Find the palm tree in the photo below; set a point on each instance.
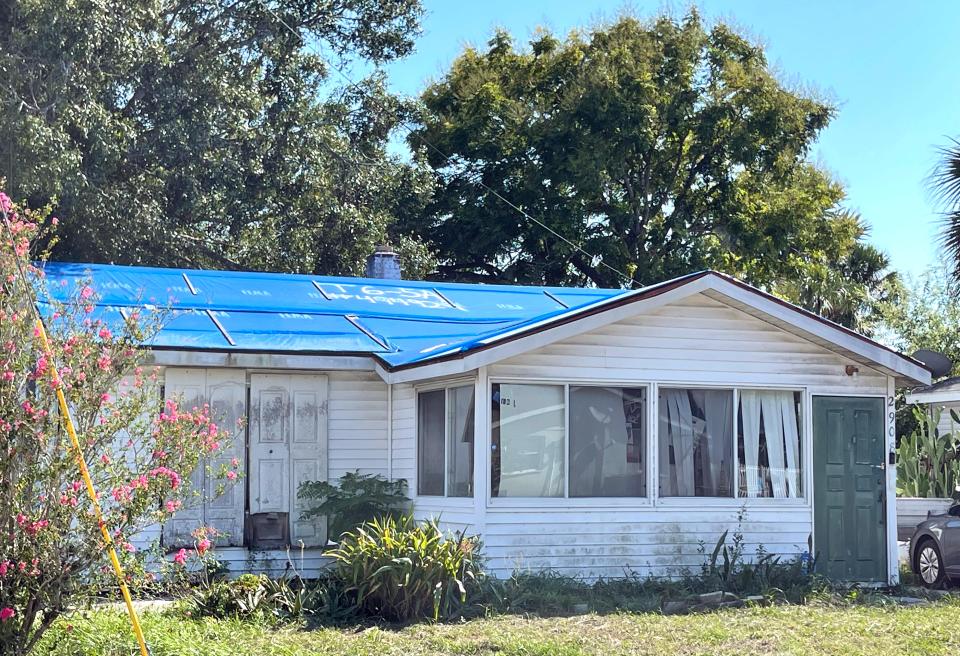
(945, 182)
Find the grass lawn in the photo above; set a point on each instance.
(812, 629)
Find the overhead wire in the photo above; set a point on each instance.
(446, 158)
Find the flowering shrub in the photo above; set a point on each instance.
(51, 547)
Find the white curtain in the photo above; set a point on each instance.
(750, 425)
(676, 424)
(777, 412)
(791, 438)
(773, 430)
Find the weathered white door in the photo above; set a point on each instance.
(288, 445)
(220, 504)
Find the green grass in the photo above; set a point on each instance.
(812, 629)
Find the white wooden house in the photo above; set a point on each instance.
(591, 432)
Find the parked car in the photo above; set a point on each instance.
(935, 548)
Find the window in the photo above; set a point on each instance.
(604, 443)
(528, 440)
(445, 442)
(696, 442)
(768, 444)
(608, 442)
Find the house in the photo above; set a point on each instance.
(587, 431)
(942, 396)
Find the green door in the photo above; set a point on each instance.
(849, 531)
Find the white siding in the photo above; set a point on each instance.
(357, 423)
(947, 425)
(699, 340)
(695, 341)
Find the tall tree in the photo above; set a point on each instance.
(946, 185)
(206, 133)
(659, 147)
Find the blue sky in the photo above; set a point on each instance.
(890, 67)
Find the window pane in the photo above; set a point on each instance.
(460, 430)
(607, 442)
(696, 442)
(768, 441)
(528, 441)
(430, 458)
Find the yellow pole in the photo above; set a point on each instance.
(67, 420)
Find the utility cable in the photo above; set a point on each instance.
(446, 158)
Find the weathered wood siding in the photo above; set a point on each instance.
(699, 340)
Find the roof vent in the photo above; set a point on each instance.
(384, 263)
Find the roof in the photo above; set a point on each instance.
(945, 390)
(405, 324)
(400, 322)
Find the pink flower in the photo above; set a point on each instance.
(172, 506)
(6, 613)
(4, 566)
(203, 545)
(86, 292)
(129, 547)
(232, 475)
(181, 557)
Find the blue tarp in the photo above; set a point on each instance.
(399, 321)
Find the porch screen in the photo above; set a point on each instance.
(528, 441)
(696, 442)
(769, 444)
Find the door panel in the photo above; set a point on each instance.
(222, 503)
(849, 488)
(288, 446)
(269, 444)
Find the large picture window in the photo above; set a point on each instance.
(445, 442)
(768, 444)
(696, 442)
(535, 453)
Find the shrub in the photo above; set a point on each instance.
(51, 551)
(767, 574)
(398, 569)
(356, 499)
(252, 596)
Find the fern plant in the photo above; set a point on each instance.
(355, 499)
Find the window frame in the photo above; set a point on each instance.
(653, 499)
(737, 501)
(566, 502)
(444, 386)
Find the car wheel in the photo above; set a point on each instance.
(929, 565)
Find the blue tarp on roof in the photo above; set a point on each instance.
(399, 321)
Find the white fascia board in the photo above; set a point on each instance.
(893, 362)
(939, 396)
(172, 358)
(595, 317)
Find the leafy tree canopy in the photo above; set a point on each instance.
(660, 147)
(206, 133)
